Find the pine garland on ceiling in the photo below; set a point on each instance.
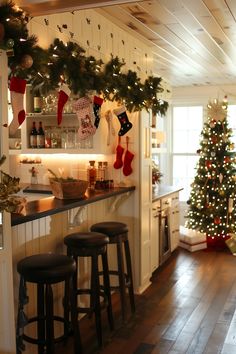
(67, 62)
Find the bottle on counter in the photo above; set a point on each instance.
(105, 169)
(40, 137)
(33, 136)
(38, 103)
(92, 174)
(100, 172)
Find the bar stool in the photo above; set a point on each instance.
(93, 245)
(45, 270)
(118, 235)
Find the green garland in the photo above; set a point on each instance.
(68, 63)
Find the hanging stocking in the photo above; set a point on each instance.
(97, 102)
(84, 111)
(111, 130)
(127, 169)
(123, 119)
(119, 153)
(17, 88)
(63, 96)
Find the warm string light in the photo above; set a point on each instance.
(213, 184)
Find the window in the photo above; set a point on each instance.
(187, 125)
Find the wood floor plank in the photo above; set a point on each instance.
(207, 326)
(190, 308)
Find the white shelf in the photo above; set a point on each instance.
(57, 151)
(159, 150)
(97, 141)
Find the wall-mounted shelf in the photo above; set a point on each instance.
(95, 144)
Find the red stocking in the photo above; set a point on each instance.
(63, 96)
(119, 152)
(17, 88)
(127, 169)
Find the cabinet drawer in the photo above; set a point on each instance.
(165, 202)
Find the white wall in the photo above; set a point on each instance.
(202, 94)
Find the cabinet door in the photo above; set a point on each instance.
(155, 233)
(174, 222)
(145, 199)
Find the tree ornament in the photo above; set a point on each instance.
(212, 123)
(227, 159)
(17, 89)
(208, 164)
(225, 138)
(213, 154)
(217, 220)
(27, 61)
(217, 110)
(220, 177)
(123, 119)
(230, 205)
(221, 192)
(10, 43)
(214, 139)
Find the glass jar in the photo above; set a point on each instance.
(56, 137)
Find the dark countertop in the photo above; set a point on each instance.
(163, 191)
(50, 205)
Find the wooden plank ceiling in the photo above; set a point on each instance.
(193, 41)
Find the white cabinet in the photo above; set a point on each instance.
(155, 230)
(145, 202)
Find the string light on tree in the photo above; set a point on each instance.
(212, 198)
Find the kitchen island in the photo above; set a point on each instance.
(45, 222)
(49, 205)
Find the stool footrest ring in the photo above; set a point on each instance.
(36, 340)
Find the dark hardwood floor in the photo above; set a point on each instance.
(189, 308)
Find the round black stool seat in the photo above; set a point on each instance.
(86, 239)
(110, 228)
(46, 270)
(118, 235)
(92, 245)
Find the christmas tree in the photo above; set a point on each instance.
(212, 197)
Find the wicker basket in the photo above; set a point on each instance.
(68, 190)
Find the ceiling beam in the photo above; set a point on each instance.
(42, 7)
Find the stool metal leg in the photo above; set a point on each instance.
(130, 277)
(121, 272)
(41, 318)
(49, 320)
(107, 289)
(96, 298)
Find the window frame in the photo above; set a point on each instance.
(171, 143)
